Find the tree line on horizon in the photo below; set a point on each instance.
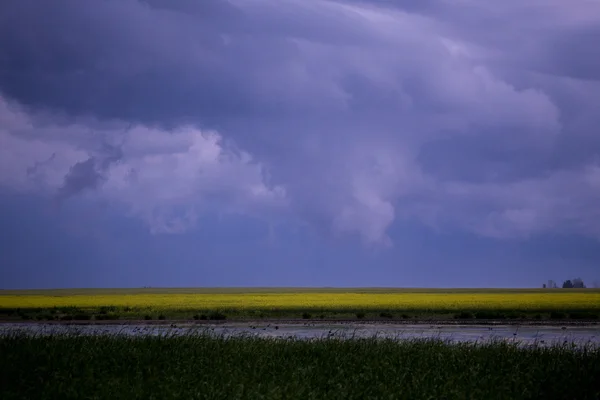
(576, 283)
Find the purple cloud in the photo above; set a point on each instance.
(346, 116)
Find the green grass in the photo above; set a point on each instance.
(204, 367)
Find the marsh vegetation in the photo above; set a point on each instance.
(202, 366)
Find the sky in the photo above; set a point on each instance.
(423, 143)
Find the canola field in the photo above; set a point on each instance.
(296, 302)
(402, 300)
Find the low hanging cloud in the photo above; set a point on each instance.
(88, 174)
(352, 116)
(150, 174)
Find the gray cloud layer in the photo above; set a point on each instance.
(348, 116)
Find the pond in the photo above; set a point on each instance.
(541, 335)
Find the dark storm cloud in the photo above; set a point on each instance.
(156, 62)
(89, 174)
(357, 113)
(81, 176)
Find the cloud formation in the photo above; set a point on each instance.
(167, 178)
(352, 116)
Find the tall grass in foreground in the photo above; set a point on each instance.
(207, 367)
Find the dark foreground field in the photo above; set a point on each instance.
(204, 367)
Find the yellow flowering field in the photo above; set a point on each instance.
(418, 300)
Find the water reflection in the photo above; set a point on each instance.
(527, 335)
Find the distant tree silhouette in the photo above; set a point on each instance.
(567, 284)
(578, 283)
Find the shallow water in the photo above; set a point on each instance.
(541, 335)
